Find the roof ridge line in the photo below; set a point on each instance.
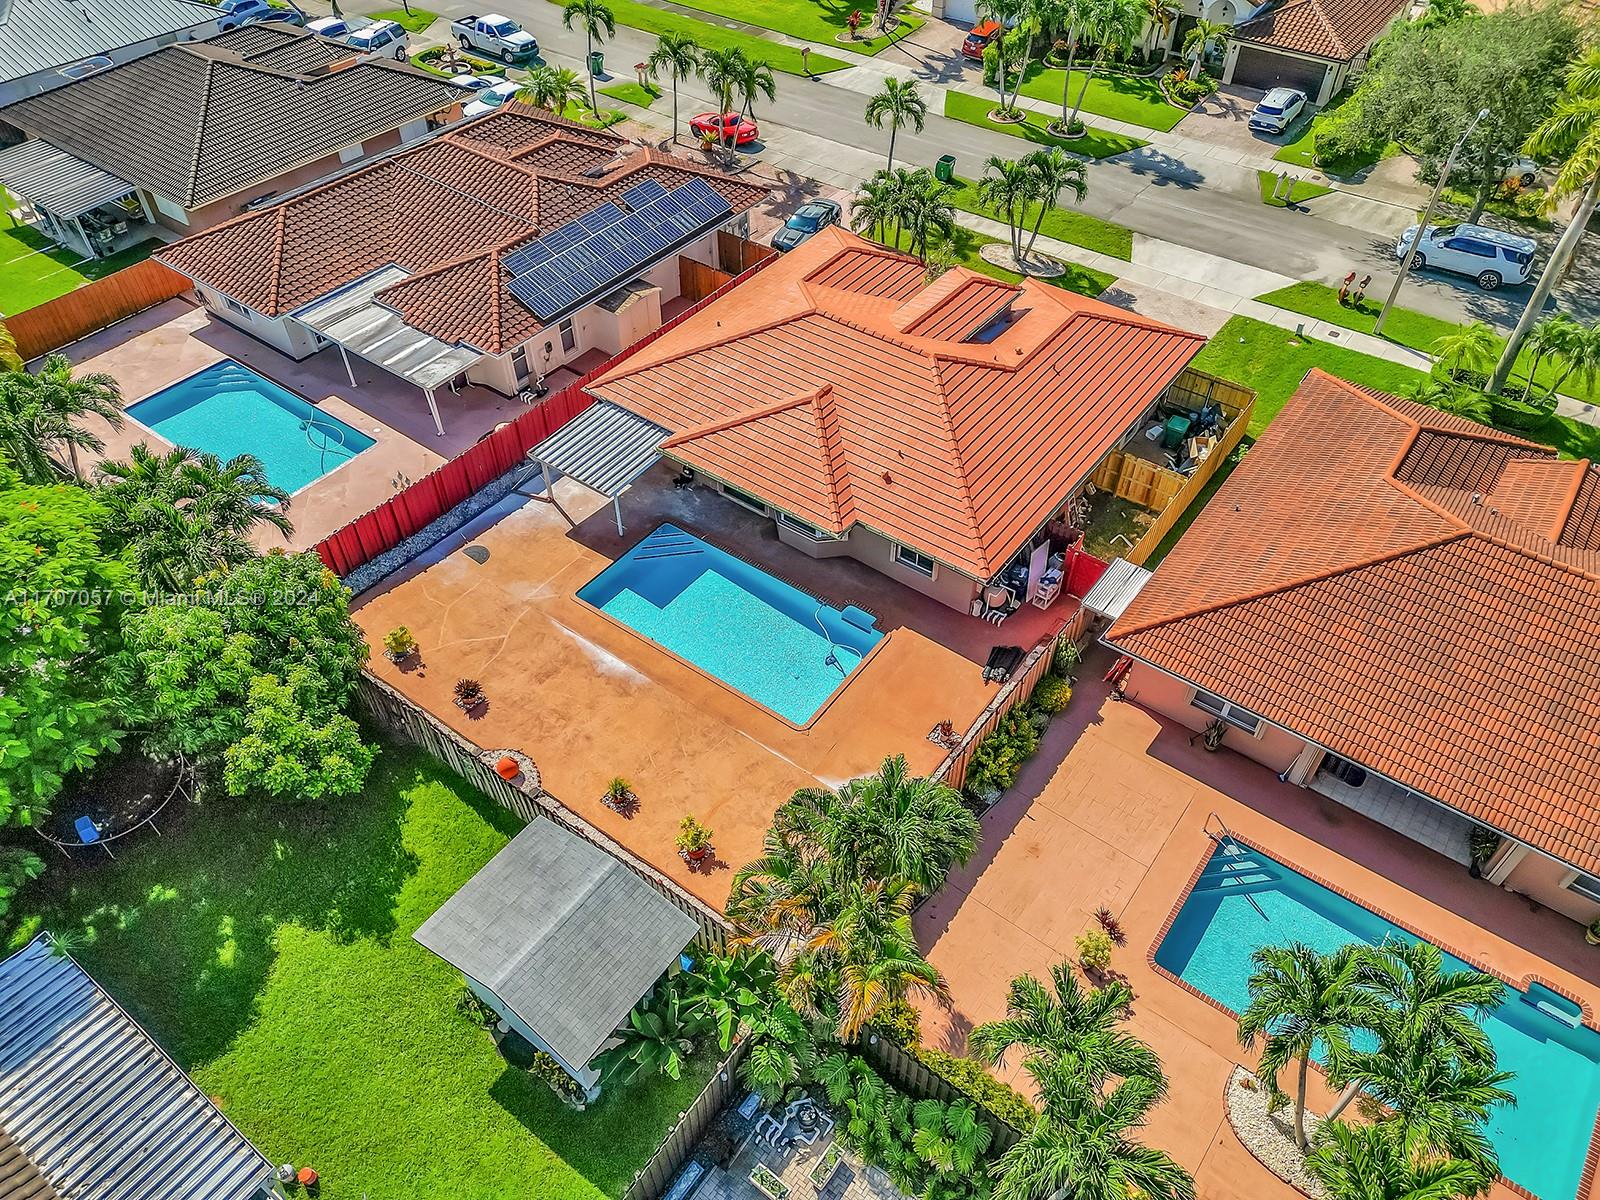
(958, 460)
(770, 409)
(823, 409)
(192, 184)
(1578, 477)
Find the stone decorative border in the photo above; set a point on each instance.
(529, 781)
(1260, 1132)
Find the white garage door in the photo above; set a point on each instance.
(1264, 69)
(962, 12)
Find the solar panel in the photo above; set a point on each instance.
(650, 189)
(606, 214)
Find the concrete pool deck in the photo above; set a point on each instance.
(1118, 792)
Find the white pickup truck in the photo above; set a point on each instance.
(494, 35)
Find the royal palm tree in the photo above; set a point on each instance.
(1303, 1001)
(1054, 171)
(898, 103)
(1006, 189)
(41, 415)
(1072, 18)
(723, 70)
(554, 88)
(599, 23)
(1066, 1031)
(679, 56)
(1115, 23)
(1009, 13)
(929, 216)
(1203, 37)
(1470, 348)
(1368, 1162)
(875, 207)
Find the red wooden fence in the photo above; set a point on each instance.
(436, 493)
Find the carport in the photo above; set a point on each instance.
(65, 194)
(605, 448)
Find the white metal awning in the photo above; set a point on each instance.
(1115, 590)
(605, 448)
(59, 183)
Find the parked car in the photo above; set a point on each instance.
(490, 98)
(251, 12)
(1488, 255)
(734, 127)
(978, 39)
(495, 35)
(336, 28)
(476, 83)
(1277, 110)
(1524, 170)
(807, 219)
(381, 39)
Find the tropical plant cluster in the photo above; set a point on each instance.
(905, 208)
(1459, 378)
(997, 760)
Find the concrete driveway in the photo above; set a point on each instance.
(1222, 122)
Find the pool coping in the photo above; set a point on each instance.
(822, 709)
(128, 416)
(1591, 1161)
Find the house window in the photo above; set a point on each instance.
(569, 339)
(914, 559)
(234, 306)
(804, 529)
(1586, 886)
(753, 503)
(1232, 714)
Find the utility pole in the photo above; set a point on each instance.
(1427, 217)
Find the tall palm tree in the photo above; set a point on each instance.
(1079, 1149)
(679, 56)
(875, 207)
(1073, 18)
(1066, 1031)
(1470, 348)
(1006, 189)
(755, 79)
(1054, 171)
(184, 513)
(598, 22)
(554, 88)
(10, 360)
(930, 218)
(1368, 1162)
(1570, 133)
(1203, 37)
(41, 415)
(898, 103)
(722, 71)
(1554, 337)
(1581, 357)
(1009, 13)
(1159, 16)
(1302, 1001)
(1115, 23)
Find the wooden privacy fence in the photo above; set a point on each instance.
(403, 721)
(62, 321)
(406, 512)
(696, 281)
(914, 1077)
(692, 1124)
(740, 254)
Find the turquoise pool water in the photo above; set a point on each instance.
(773, 642)
(1542, 1140)
(228, 410)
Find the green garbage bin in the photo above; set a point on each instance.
(945, 169)
(1177, 428)
(597, 62)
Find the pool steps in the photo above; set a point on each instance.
(1228, 871)
(667, 544)
(1553, 1004)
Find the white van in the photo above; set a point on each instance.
(1487, 255)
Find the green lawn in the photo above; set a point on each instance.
(707, 36)
(34, 269)
(1405, 327)
(604, 119)
(1096, 143)
(269, 950)
(416, 20)
(1300, 190)
(632, 93)
(808, 20)
(1064, 225)
(1120, 97)
(428, 61)
(967, 243)
(1302, 151)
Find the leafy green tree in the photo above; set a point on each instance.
(42, 414)
(679, 56)
(18, 867)
(10, 360)
(295, 746)
(188, 676)
(654, 1040)
(896, 104)
(598, 23)
(1368, 1162)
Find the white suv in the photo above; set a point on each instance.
(1488, 255)
(387, 39)
(1277, 110)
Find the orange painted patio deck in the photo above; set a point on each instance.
(588, 699)
(1121, 796)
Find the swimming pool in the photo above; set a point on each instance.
(1542, 1141)
(228, 410)
(779, 646)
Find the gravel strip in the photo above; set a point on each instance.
(1270, 1136)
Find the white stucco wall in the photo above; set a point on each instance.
(283, 334)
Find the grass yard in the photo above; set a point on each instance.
(707, 36)
(632, 93)
(604, 119)
(416, 20)
(1066, 225)
(1302, 151)
(1120, 97)
(966, 244)
(1096, 143)
(34, 269)
(1405, 327)
(808, 20)
(1300, 190)
(269, 950)
(428, 60)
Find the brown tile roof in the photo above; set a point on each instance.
(1333, 29)
(1407, 589)
(446, 210)
(837, 384)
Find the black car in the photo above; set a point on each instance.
(808, 218)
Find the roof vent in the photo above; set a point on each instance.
(1477, 497)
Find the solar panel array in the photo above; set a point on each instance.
(585, 258)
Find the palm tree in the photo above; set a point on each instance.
(1581, 357)
(10, 360)
(679, 56)
(1368, 1162)
(1072, 18)
(1470, 348)
(1079, 1148)
(1302, 1000)
(184, 513)
(929, 218)
(723, 71)
(1054, 171)
(40, 415)
(554, 88)
(1114, 25)
(1008, 13)
(1570, 133)
(1555, 336)
(780, 901)
(899, 103)
(1203, 36)
(1448, 397)
(1159, 16)
(1066, 1031)
(1006, 189)
(599, 23)
(875, 207)
(755, 79)
(1424, 1004)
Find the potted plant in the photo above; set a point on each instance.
(507, 768)
(619, 795)
(468, 694)
(398, 644)
(1592, 933)
(693, 840)
(1094, 951)
(945, 732)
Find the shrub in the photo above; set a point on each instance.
(1482, 842)
(469, 1005)
(1112, 926)
(999, 757)
(1052, 694)
(900, 1022)
(693, 837)
(618, 790)
(547, 1069)
(468, 691)
(970, 1078)
(1067, 657)
(1520, 415)
(1340, 140)
(1094, 950)
(399, 642)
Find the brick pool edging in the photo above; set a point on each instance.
(1591, 1162)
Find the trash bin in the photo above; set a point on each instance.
(945, 169)
(597, 62)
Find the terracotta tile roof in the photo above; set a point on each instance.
(837, 385)
(446, 210)
(1413, 591)
(1334, 29)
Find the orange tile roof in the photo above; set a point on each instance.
(1334, 29)
(836, 384)
(445, 210)
(1409, 590)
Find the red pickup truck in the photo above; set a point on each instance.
(980, 36)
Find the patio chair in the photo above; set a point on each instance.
(768, 1130)
(89, 833)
